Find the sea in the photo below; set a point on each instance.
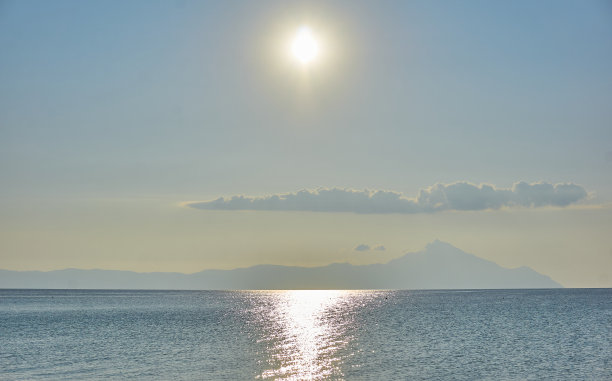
(548, 334)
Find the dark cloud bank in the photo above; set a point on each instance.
(440, 197)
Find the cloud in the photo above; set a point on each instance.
(362, 247)
(466, 196)
(380, 248)
(439, 197)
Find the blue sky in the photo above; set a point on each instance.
(176, 101)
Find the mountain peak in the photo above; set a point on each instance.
(439, 246)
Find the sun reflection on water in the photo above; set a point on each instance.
(306, 332)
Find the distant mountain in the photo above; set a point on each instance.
(439, 266)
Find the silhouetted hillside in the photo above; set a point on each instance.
(439, 266)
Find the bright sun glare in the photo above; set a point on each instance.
(304, 47)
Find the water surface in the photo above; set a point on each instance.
(217, 335)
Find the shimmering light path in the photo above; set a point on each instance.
(306, 333)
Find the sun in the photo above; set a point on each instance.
(305, 47)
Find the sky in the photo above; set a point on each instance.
(183, 136)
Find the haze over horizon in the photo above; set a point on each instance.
(183, 136)
(438, 266)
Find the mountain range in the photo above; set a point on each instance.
(439, 266)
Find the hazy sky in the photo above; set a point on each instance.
(114, 115)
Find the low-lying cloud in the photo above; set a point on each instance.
(365, 247)
(439, 197)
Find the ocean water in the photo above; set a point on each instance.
(371, 335)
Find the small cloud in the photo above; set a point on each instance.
(380, 248)
(439, 197)
(362, 247)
